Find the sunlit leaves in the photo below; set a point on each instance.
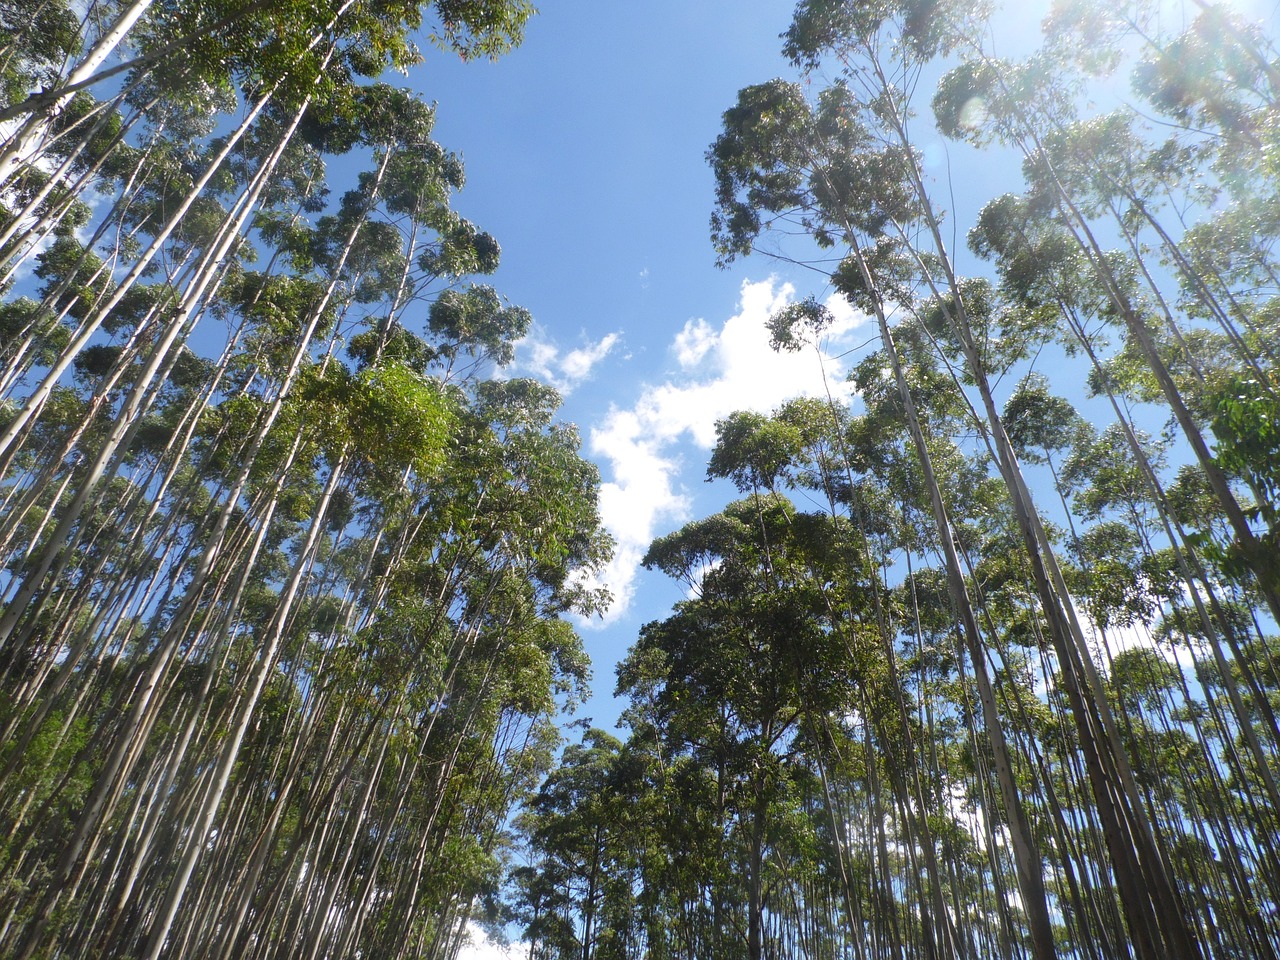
(1246, 422)
(476, 322)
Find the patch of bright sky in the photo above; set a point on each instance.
(585, 152)
(643, 447)
(479, 946)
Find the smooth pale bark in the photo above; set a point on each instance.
(139, 547)
(20, 363)
(266, 664)
(34, 403)
(838, 833)
(1029, 862)
(131, 737)
(1101, 752)
(27, 228)
(212, 548)
(24, 143)
(1197, 578)
(141, 395)
(1253, 553)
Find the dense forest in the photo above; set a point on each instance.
(982, 662)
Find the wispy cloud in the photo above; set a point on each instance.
(538, 356)
(721, 369)
(576, 364)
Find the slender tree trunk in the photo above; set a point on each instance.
(24, 142)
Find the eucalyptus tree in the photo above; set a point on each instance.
(579, 891)
(776, 155)
(731, 676)
(853, 710)
(242, 41)
(1040, 269)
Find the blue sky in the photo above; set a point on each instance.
(585, 151)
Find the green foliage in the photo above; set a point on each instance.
(394, 415)
(481, 27)
(1246, 422)
(476, 322)
(1179, 179)
(273, 542)
(1040, 424)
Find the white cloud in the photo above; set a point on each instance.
(577, 364)
(478, 946)
(537, 356)
(693, 342)
(721, 370)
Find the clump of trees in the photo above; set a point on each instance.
(967, 673)
(284, 571)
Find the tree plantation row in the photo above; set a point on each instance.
(981, 663)
(284, 571)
